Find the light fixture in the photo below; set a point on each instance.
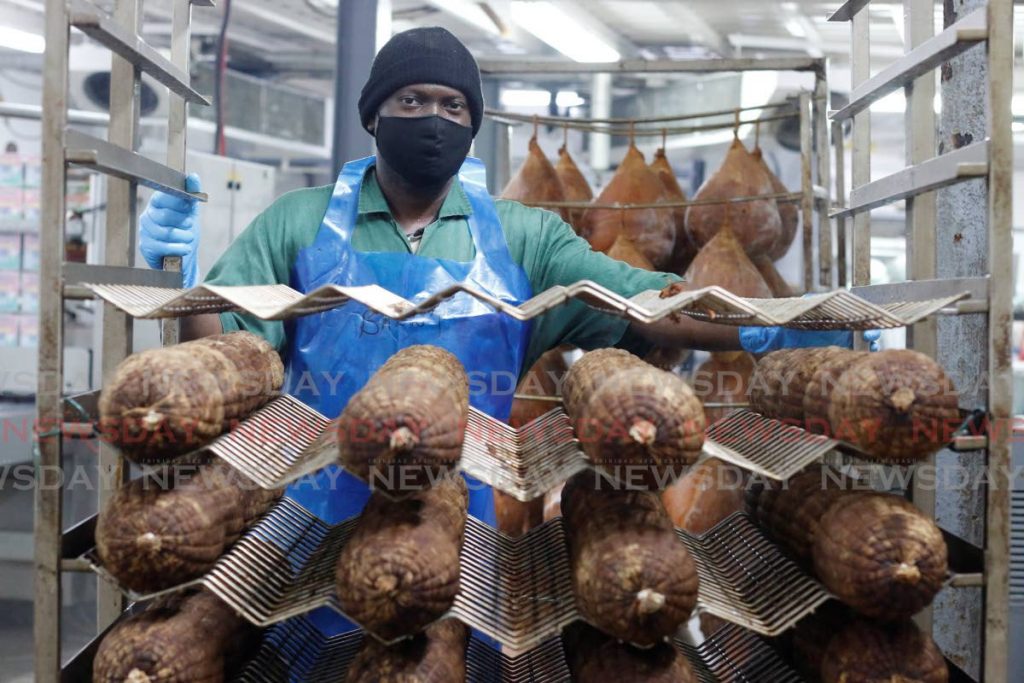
(556, 28)
(796, 28)
(568, 98)
(1017, 127)
(525, 98)
(470, 12)
(1017, 105)
(16, 39)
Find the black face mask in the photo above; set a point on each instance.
(426, 150)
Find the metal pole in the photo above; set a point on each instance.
(48, 492)
(486, 144)
(963, 238)
(177, 130)
(1000, 390)
(119, 249)
(807, 189)
(824, 172)
(860, 170)
(840, 189)
(919, 25)
(354, 51)
(600, 108)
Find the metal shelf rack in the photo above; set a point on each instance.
(55, 550)
(990, 159)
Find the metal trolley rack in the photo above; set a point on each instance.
(990, 159)
(55, 549)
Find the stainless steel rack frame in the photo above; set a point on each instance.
(990, 24)
(55, 552)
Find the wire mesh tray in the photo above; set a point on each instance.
(516, 590)
(296, 650)
(834, 310)
(286, 440)
(745, 579)
(778, 450)
(736, 655)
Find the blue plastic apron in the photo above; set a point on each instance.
(332, 354)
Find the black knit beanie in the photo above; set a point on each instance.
(422, 55)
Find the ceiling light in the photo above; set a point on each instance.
(470, 12)
(791, 7)
(568, 98)
(525, 98)
(16, 39)
(556, 28)
(795, 28)
(1017, 105)
(1017, 127)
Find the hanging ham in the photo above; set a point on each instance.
(536, 180)
(574, 186)
(789, 215)
(651, 230)
(770, 273)
(722, 262)
(683, 251)
(757, 223)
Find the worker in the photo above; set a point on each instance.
(414, 219)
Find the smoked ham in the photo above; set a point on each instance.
(651, 230)
(536, 180)
(574, 187)
(757, 223)
(789, 215)
(683, 251)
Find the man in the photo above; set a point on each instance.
(410, 221)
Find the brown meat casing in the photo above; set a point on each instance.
(632, 577)
(574, 186)
(184, 638)
(812, 635)
(790, 512)
(789, 215)
(704, 496)
(400, 570)
(164, 402)
(782, 378)
(405, 428)
(723, 263)
(723, 378)
(683, 251)
(438, 655)
(644, 426)
(536, 180)
(756, 223)
(880, 555)
(897, 405)
(651, 230)
(869, 652)
(596, 658)
(821, 386)
(151, 536)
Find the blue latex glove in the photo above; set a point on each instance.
(766, 339)
(170, 227)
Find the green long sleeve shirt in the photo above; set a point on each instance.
(538, 240)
